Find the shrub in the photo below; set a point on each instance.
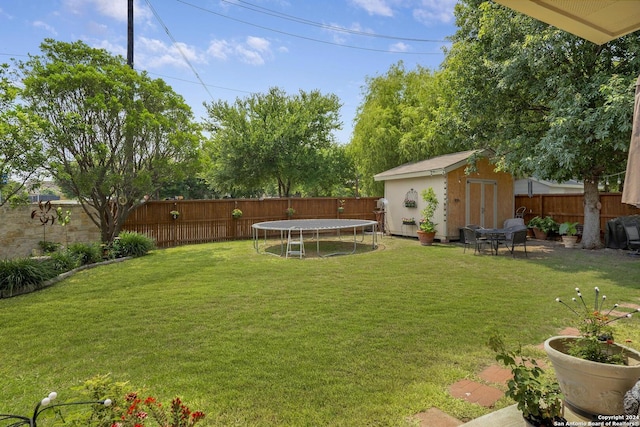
(61, 262)
(48, 247)
(86, 253)
(23, 275)
(130, 243)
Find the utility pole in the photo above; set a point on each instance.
(130, 33)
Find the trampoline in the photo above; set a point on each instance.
(314, 227)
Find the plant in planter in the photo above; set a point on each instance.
(542, 226)
(427, 228)
(174, 214)
(341, 206)
(290, 211)
(594, 372)
(537, 395)
(236, 213)
(410, 203)
(568, 231)
(409, 221)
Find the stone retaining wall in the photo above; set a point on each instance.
(19, 234)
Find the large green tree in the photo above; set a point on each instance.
(549, 103)
(400, 121)
(21, 155)
(273, 140)
(113, 135)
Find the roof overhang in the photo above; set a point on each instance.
(598, 21)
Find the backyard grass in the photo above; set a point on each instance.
(257, 340)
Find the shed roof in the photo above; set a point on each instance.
(434, 166)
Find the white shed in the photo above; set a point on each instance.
(484, 197)
(539, 186)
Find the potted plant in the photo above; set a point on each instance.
(594, 372)
(290, 211)
(427, 228)
(568, 231)
(174, 214)
(542, 226)
(410, 203)
(340, 206)
(408, 221)
(236, 213)
(537, 395)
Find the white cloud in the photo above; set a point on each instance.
(254, 50)
(220, 49)
(112, 48)
(435, 11)
(110, 8)
(374, 7)
(399, 47)
(153, 53)
(45, 26)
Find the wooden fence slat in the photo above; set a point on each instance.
(203, 221)
(569, 207)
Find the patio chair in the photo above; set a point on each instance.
(520, 212)
(517, 237)
(633, 238)
(472, 238)
(513, 222)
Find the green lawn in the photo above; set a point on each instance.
(257, 340)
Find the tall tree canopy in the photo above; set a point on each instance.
(273, 140)
(20, 147)
(549, 103)
(399, 121)
(112, 135)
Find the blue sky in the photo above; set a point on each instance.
(224, 49)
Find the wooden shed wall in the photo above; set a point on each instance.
(456, 195)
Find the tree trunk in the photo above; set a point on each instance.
(591, 233)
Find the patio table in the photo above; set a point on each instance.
(494, 236)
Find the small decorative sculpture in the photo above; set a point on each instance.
(632, 400)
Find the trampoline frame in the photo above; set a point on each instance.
(314, 226)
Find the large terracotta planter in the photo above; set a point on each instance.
(426, 237)
(539, 234)
(592, 388)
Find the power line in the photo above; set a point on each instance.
(198, 83)
(175, 43)
(271, 12)
(305, 37)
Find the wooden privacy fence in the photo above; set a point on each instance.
(201, 221)
(569, 207)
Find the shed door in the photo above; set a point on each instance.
(482, 203)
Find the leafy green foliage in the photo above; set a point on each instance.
(400, 121)
(546, 224)
(21, 153)
(48, 247)
(132, 244)
(538, 397)
(86, 253)
(274, 140)
(426, 222)
(63, 261)
(116, 135)
(550, 104)
(22, 275)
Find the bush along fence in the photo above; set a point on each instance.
(182, 222)
(569, 207)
